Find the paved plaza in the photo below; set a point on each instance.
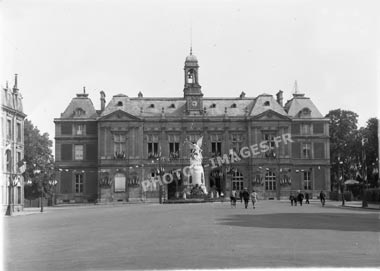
(192, 236)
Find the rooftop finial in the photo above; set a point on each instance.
(191, 38)
(295, 87)
(84, 90)
(6, 84)
(15, 86)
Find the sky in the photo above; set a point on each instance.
(56, 47)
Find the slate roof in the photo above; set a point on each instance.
(80, 102)
(299, 102)
(12, 100)
(150, 107)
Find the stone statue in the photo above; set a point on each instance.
(196, 169)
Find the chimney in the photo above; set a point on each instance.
(15, 89)
(140, 95)
(102, 100)
(242, 95)
(280, 99)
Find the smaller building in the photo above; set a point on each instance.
(12, 148)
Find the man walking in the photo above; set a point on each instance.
(322, 197)
(254, 198)
(245, 195)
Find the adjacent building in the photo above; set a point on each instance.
(257, 142)
(12, 148)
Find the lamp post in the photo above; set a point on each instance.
(342, 182)
(52, 184)
(13, 181)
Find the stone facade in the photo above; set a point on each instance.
(12, 148)
(132, 140)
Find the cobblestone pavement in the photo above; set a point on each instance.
(192, 236)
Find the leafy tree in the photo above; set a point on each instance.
(345, 148)
(39, 161)
(371, 147)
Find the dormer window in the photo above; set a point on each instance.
(213, 106)
(233, 105)
(172, 106)
(79, 112)
(119, 103)
(151, 106)
(305, 112)
(267, 103)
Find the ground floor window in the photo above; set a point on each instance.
(78, 183)
(270, 181)
(307, 185)
(120, 182)
(237, 181)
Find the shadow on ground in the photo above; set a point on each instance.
(319, 221)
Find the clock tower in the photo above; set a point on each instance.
(192, 90)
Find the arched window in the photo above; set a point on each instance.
(190, 76)
(237, 180)
(270, 181)
(9, 161)
(120, 182)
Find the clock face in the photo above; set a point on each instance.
(194, 103)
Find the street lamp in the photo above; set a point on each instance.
(13, 182)
(342, 182)
(53, 184)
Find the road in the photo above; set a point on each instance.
(192, 236)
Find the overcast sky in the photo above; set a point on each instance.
(330, 47)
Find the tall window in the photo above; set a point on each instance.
(270, 181)
(19, 132)
(9, 161)
(173, 146)
(306, 129)
(269, 138)
(306, 150)
(9, 129)
(119, 143)
(307, 185)
(237, 181)
(120, 182)
(78, 183)
(78, 152)
(153, 146)
(79, 129)
(216, 145)
(237, 141)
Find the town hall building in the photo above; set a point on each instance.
(109, 154)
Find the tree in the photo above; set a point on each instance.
(39, 161)
(345, 144)
(371, 148)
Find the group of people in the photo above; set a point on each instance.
(300, 197)
(244, 195)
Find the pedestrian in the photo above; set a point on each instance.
(254, 198)
(300, 197)
(307, 198)
(241, 196)
(322, 197)
(292, 199)
(233, 198)
(245, 196)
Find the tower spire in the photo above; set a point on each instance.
(15, 85)
(295, 87)
(191, 39)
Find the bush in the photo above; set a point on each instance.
(372, 195)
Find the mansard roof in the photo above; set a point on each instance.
(80, 107)
(232, 107)
(12, 100)
(298, 103)
(265, 102)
